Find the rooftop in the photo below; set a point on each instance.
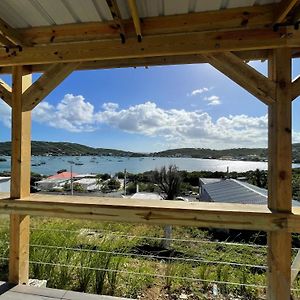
(34, 13)
(235, 191)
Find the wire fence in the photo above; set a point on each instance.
(48, 258)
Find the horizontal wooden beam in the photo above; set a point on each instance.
(244, 75)
(253, 17)
(43, 86)
(147, 61)
(152, 46)
(5, 92)
(283, 9)
(214, 215)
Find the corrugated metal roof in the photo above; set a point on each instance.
(235, 191)
(32, 13)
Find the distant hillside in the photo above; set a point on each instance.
(209, 153)
(64, 148)
(236, 153)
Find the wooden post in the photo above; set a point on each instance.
(20, 179)
(280, 174)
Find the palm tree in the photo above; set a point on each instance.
(169, 181)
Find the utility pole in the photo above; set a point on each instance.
(124, 182)
(71, 180)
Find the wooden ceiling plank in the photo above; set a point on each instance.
(136, 19)
(51, 78)
(5, 92)
(260, 16)
(116, 14)
(12, 34)
(244, 75)
(283, 9)
(152, 46)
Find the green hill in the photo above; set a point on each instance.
(65, 148)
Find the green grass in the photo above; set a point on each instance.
(77, 260)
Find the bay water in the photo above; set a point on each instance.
(48, 165)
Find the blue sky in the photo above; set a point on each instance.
(152, 109)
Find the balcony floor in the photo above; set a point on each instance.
(22, 292)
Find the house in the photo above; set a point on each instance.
(146, 196)
(233, 191)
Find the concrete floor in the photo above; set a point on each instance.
(22, 292)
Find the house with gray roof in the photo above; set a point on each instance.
(233, 191)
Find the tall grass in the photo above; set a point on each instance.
(88, 262)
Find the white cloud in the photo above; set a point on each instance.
(198, 91)
(110, 106)
(213, 100)
(188, 128)
(72, 113)
(176, 127)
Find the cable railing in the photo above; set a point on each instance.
(220, 274)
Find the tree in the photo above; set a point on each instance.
(169, 181)
(258, 178)
(110, 185)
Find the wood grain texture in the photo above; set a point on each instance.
(283, 9)
(244, 75)
(253, 17)
(295, 88)
(152, 46)
(20, 179)
(48, 81)
(147, 61)
(5, 92)
(280, 174)
(215, 215)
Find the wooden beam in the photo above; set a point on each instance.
(164, 45)
(280, 174)
(136, 19)
(146, 61)
(12, 34)
(6, 42)
(20, 179)
(283, 9)
(242, 18)
(5, 92)
(214, 215)
(116, 14)
(52, 77)
(244, 75)
(296, 88)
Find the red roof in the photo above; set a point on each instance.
(63, 175)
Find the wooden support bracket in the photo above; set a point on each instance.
(115, 12)
(5, 92)
(282, 10)
(247, 77)
(51, 78)
(296, 88)
(12, 34)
